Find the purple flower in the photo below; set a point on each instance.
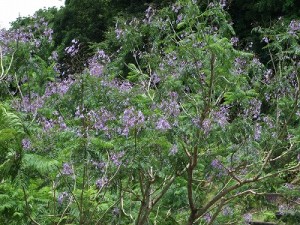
(234, 41)
(101, 119)
(257, 131)
(265, 39)
(206, 126)
(247, 218)
(149, 13)
(253, 108)
(116, 211)
(268, 121)
(163, 124)
(256, 61)
(174, 150)
(171, 106)
(99, 165)
(125, 86)
(47, 124)
(207, 217)
(26, 143)
(131, 118)
(96, 63)
(155, 79)
(62, 124)
(119, 32)
(100, 183)
(179, 18)
(176, 8)
(223, 3)
(116, 158)
(294, 26)
(54, 55)
(95, 69)
(239, 65)
(62, 196)
(289, 186)
(67, 169)
(221, 116)
(227, 211)
(216, 164)
(268, 75)
(73, 49)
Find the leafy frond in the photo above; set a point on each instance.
(39, 163)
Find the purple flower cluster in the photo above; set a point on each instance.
(62, 124)
(47, 124)
(239, 65)
(257, 131)
(96, 63)
(34, 102)
(289, 186)
(163, 124)
(155, 79)
(234, 41)
(294, 26)
(33, 34)
(207, 217)
(283, 208)
(206, 126)
(67, 169)
(268, 76)
(253, 109)
(54, 56)
(173, 150)
(116, 158)
(265, 40)
(223, 3)
(176, 8)
(171, 106)
(255, 61)
(99, 165)
(5, 38)
(119, 32)
(30, 105)
(116, 211)
(132, 118)
(221, 116)
(179, 18)
(96, 69)
(100, 118)
(62, 197)
(247, 218)
(79, 112)
(26, 144)
(73, 49)
(217, 164)
(149, 13)
(102, 182)
(59, 87)
(227, 211)
(122, 86)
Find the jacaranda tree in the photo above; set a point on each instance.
(169, 123)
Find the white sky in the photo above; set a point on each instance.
(11, 9)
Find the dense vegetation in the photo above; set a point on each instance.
(151, 112)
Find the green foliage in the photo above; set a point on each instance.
(176, 126)
(11, 133)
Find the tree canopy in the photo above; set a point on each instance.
(151, 112)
